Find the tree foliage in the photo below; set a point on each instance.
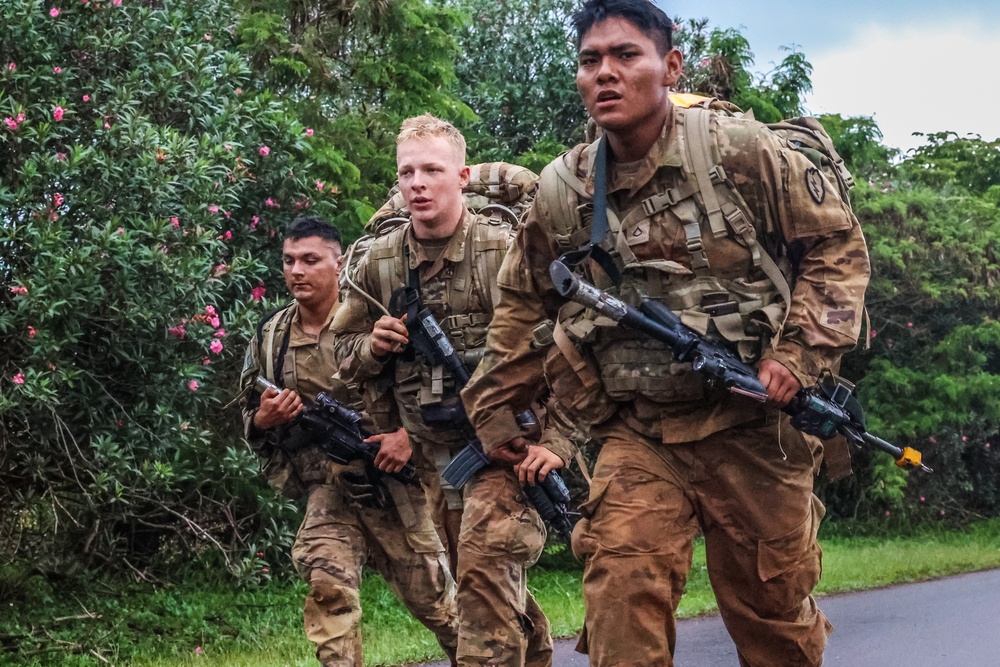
(517, 72)
(142, 177)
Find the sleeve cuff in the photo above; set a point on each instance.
(558, 444)
(497, 429)
(803, 364)
(370, 366)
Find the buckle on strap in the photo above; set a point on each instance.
(653, 205)
(717, 174)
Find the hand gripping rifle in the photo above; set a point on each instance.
(550, 496)
(824, 410)
(337, 430)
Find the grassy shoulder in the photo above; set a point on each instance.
(212, 626)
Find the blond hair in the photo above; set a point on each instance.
(427, 127)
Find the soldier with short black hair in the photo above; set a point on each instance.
(754, 246)
(351, 518)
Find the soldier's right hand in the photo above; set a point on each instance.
(511, 452)
(277, 408)
(389, 335)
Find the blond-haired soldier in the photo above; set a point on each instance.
(451, 257)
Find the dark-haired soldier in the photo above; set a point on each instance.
(729, 225)
(342, 529)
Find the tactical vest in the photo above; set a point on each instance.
(744, 308)
(289, 473)
(462, 299)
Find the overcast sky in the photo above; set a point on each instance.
(917, 66)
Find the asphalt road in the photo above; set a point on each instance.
(952, 622)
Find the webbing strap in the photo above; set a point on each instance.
(698, 144)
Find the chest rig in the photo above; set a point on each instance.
(718, 278)
(461, 296)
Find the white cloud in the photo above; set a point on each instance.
(914, 79)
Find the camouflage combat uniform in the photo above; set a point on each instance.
(491, 526)
(338, 537)
(678, 457)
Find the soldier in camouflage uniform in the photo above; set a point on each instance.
(343, 529)
(751, 243)
(451, 256)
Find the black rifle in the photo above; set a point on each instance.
(823, 411)
(550, 496)
(337, 431)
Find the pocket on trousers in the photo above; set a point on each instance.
(582, 542)
(779, 555)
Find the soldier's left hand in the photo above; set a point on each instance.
(394, 450)
(537, 464)
(781, 385)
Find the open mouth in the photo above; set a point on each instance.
(608, 97)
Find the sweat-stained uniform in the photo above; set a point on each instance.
(678, 457)
(337, 537)
(491, 526)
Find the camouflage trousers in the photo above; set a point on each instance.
(494, 537)
(336, 539)
(749, 490)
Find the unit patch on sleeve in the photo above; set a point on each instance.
(816, 185)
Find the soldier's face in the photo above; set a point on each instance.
(622, 78)
(432, 175)
(312, 269)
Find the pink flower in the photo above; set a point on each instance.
(219, 269)
(942, 512)
(213, 208)
(208, 38)
(57, 70)
(872, 333)
(211, 311)
(922, 499)
(257, 293)
(12, 67)
(205, 361)
(120, 231)
(227, 236)
(887, 512)
(214, 321)
(228, 214)
(86, 98)
(10, 123)
(265, 570)
(57, 113)
(31, 332)
(319, 185)
(197, 650)
(932, 440)
(220, 333)
(215, 346)
(239, 91)
(193, 385)
(54, 12)
(18, 289)
(254, 221)
(57, 200)
(184, 425)
(18, 379)
(270, 203)
(177, 331)
(61, 157)
(964, 439)
(264, 151)
(107, 126)
(909, 324)
(175, 222)
(116, 3)
(260, 554)
(309, 132)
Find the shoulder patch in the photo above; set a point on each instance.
(816, 185)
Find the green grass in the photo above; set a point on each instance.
(263, 627)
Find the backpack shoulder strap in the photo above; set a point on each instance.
(274, 324)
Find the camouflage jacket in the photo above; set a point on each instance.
(459, 287)
(308, 367)
(797, 214)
